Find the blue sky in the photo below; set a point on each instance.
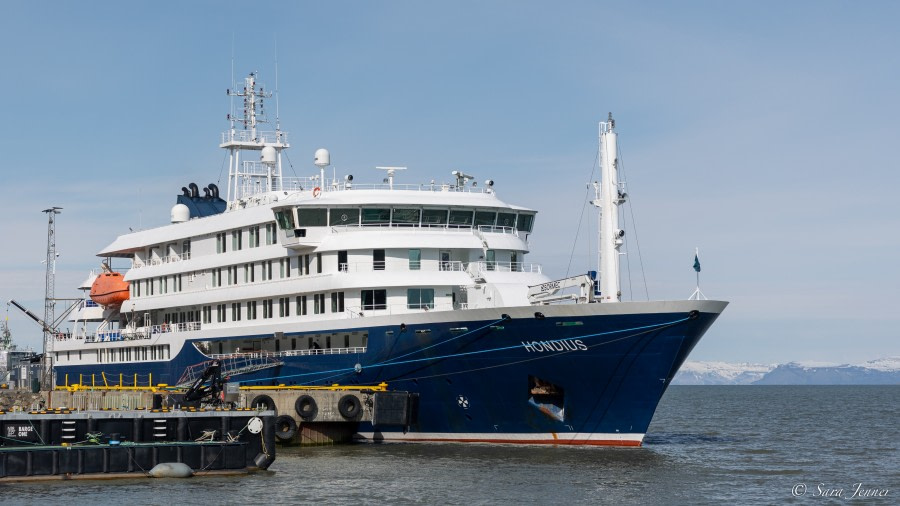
(762, 132)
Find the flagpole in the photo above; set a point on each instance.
(697, 293)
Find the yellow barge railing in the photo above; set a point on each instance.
(135, 386)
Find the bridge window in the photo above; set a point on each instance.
(311, 217)
(345, 217)
(285, 219)
(406, 217)
(434, 217)
(460, 218)
(506, 220)
(526, 221)
(485, 218)
(376, 216)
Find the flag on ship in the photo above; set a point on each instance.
(697, 262)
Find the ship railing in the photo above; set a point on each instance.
(164, 328)
(375, 227)
(492, 229)
(289, 353)
(166, 259)
(108, 336)
(402, 265)
(411, 187)
(392, 309)
(247, 136)
(477, 268)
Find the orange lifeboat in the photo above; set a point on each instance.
(110, 289)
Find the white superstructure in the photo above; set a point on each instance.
(307, 253)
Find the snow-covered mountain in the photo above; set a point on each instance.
(883, 371)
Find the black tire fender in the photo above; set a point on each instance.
(306, 408)
(349, 406)
(264, 400)
(285, 428)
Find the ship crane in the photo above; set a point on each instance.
(546, 293)
(47, 327)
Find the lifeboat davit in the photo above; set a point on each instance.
(110, 289)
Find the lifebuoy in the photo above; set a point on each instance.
(306, 408)
(349, 406)
(285, 428)
(263, 403)
(316, 192)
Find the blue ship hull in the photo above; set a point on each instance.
(608, 372)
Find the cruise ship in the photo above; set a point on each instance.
(426, 287)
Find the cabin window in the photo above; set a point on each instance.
(490, 259)
(406, 217)
(251, 310)
(267, 270)
(460, 218)
(376, 216)
(420, 298)
(318, 263)
(344, 217)
(434, 217)
(373, 299)
(284, 307)
(342, 261)
(235, 311)
(220, 313)
(415, 259)
(319, 306)
(485, 218)
(221, 245)
(254, 236)
(236, 240)
(378, 259)
(337, 302)
(285, 266)
(446, 264)
(267, 308)
(271, 238)
(186, 250)
(301, 305)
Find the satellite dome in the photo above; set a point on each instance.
(268, 155)
(180, 213)
(323, 158)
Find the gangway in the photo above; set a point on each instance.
(231, 365)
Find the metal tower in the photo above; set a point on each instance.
(49, 297)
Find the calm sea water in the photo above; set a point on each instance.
(706, 445)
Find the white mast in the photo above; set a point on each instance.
(246, 177)
(611, 196)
